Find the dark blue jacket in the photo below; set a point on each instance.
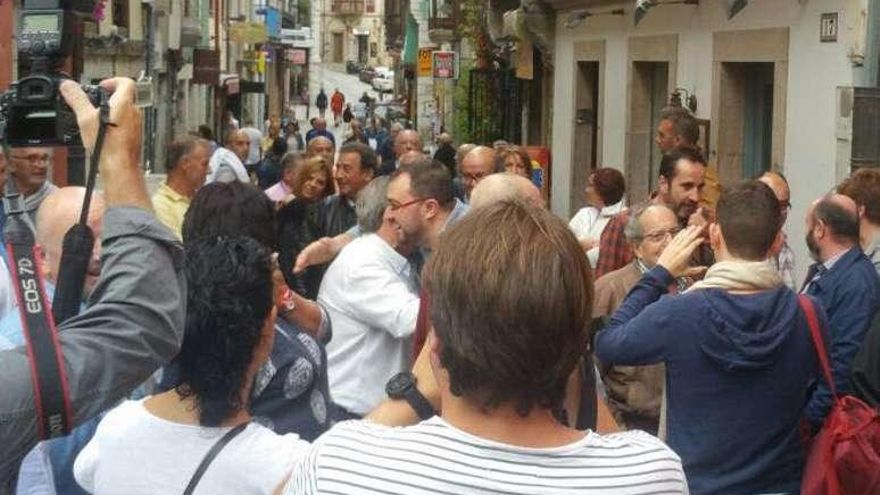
(739, 371)
(850, 293)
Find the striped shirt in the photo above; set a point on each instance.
(433, 457)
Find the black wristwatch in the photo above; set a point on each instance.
(403, 386)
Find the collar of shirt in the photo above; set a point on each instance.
(610, 211)
(829, 263)
(171, 194)
(455, 215)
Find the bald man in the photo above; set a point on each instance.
(479, 163)
(784, 258)
(845, 282)
(502, 187)
(407, 140)
(58, 212)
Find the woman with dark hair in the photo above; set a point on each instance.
(297, 223)
(290, 392)
(228, 336)
(604, 195)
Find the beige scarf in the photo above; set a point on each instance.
(739, 275)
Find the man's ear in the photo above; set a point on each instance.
(776, 247)
(663, 186)
(861, 212)
(716, 238)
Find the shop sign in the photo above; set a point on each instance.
(445, 65)
(425, 62)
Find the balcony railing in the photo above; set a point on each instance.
(445, 15)
(347, 7)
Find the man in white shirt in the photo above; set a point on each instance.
(372, 299)
(252, 161)
(370, 290)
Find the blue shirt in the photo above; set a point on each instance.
(739, 370)
(849, 290)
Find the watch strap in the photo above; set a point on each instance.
(419, 403)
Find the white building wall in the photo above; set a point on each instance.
(815, 71)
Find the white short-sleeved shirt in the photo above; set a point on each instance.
(589, 222)
(435, 457)
(134, 452)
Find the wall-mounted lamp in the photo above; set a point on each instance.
(643, 6)
(577, 17)
(734, 6)
(688, 101)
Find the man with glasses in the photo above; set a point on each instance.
(682, 178)
(785, 257)
(634, 393)
(29, 170)
(372, 299)
(477, 164)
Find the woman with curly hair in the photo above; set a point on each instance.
(155, 445)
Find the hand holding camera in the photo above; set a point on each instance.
(120, 153)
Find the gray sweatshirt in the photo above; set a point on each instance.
(133, 325)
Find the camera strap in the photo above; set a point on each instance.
(79, 241)
(51, 398)
(48, 377)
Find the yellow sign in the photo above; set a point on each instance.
(425, 62)
(248, 32)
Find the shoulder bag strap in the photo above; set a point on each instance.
(809, 310)
(209, 457)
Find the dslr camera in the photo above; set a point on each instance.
(32, 111)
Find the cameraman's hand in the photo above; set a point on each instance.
(678, 253)
(120, 155)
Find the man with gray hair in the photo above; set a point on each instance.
(370, 293)
(188, 159)
(634, 393)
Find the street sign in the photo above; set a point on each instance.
(445, 65)
(425, 62)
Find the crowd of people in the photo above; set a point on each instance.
(293, 315)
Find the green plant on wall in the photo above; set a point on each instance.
(461, 124)
(478, 115)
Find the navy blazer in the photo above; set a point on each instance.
(850, 294)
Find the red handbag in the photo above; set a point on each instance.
(844, 457)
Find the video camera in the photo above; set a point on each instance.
(32, 111)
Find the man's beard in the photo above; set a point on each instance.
(812, 246)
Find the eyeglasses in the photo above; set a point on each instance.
(661, 235)
(394, 205)
(33, 159)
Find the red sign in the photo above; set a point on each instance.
(295, 56)
(445, 65)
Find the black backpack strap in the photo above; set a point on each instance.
(209, 457)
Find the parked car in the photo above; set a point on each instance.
(384, 82)
(367, 74)
(352, 67)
